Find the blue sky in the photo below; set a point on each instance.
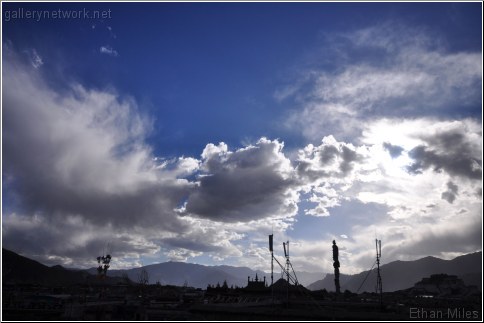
(190, 131)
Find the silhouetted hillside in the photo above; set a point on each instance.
(21, 270)
(328, 282)
(399, 275)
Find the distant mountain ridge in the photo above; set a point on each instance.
(399, 275)
(21, 270)
(179, 273)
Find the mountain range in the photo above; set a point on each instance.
(180, 273)
(21, 270)
(396, 275)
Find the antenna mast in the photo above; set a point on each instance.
(271, 249)
(288, 263)
(285, 269)
(379, 285)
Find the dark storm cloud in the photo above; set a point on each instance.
(451, 193)
(393, 150)
(204, 244)
(70, 241)
(450, 151)
(82, 153)
(76, 166)
(247, 184)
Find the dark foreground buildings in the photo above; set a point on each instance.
(438, 297)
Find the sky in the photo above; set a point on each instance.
(191, 131)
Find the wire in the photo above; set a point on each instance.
(364, 280)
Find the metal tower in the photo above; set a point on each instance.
(286, 270)
(271, 249)
(379, 285)
(288, 264)
(103, 263)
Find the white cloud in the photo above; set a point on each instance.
(34, 58)
(108, 50)
(439, 232)
(111, 32)
(420, 222)
(328, 170)
(181, 254)
(400, 110)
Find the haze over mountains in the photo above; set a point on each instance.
(180, 273)
(177, 273)
(396, 275)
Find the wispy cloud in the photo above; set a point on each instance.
(410, 74)
(108, 50)
(35, 59)
(111, 32)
